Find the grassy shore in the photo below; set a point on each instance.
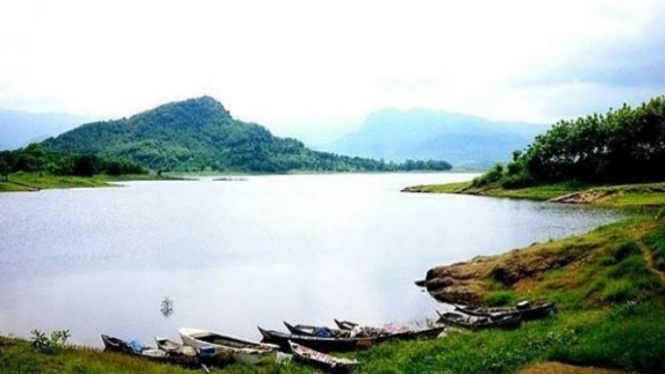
(39, 181)
(629, 195)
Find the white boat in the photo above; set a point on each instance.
(239, 349)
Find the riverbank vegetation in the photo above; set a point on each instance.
(614, 159)
(34, 168)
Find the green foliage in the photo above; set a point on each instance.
(49, 345)
(37, 159)
(5, 169)
(200, 134)
(624, 145)
(492, 176)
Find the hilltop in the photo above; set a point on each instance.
(200, 134)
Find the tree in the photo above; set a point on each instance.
(4, 169)
(84, 166)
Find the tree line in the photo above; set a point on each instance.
(622, 146)
(37, 159)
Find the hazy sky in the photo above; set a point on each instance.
(302, 65)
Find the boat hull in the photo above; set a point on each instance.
(246, 355)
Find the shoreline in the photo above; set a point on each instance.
(639, 195)
(34, 182)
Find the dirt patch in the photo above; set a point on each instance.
(559, 368)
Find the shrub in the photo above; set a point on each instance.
(49, 345)
(492, 176)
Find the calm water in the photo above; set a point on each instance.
(231, 255)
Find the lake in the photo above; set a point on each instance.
(236, 254)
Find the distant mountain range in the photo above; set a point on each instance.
(467, 141)
(200, 134)
(18, 129)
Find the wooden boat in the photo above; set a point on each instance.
(394, 332)
(116, 345)
(177, 353)
(371, 330)
(133, 348)
(321, 360)
(308, 330)
(505, 321)
(524, 309)
(354, 330)
(240, 350)
(345, 325)
(323, 344)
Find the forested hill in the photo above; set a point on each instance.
(200, 134)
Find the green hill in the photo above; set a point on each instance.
(200, 134)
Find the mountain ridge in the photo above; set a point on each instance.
(423, 133)
(200, 134)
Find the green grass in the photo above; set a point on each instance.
(39, 181)
(440, 188)
(609, 337)
(18, 357)
(500, 298)
(656, 242)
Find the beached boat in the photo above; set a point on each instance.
(321, 360)
(524, 308)
(178, 353)
(134, 348)
(349, 329)
(506, 321)
(393, 331)
(309, 330)
(371, 330)
(240, 350)
(323, 344)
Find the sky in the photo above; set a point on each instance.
(316, 69)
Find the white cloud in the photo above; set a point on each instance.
(299, 64)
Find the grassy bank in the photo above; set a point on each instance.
(630, 195)
(40, 181)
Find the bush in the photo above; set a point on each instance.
(492, 176)
(49, 345)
